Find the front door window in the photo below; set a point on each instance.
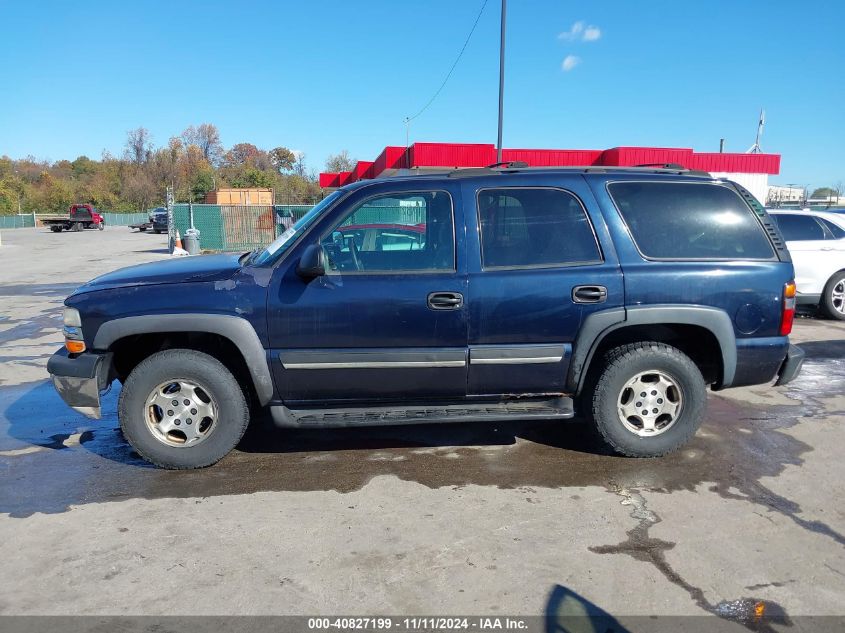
(400, 232)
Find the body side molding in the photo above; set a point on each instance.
(239, 331)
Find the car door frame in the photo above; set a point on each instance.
(494, 362)
(375, 373)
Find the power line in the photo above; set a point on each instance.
(449, 74)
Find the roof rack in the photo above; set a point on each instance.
(676, 166)
(519, 166)
(495, 168)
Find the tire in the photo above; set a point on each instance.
(627, 369)
(832, 303)
(157, 231)
(77, 226)
(184, 367)
(56, 228)
(100, 226)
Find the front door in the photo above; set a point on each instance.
(537, 269)
(388, 320)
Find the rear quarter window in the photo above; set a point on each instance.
(673, 220)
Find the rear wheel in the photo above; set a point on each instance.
(648, 400)
(182, 409)
(833, 297)
(56, 228)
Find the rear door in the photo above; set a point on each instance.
(539, 261)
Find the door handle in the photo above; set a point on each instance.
(589, 294)
(445, 300)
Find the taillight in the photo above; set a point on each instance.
(788, 309)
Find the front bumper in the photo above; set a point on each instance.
(80, 378)
(791, 365)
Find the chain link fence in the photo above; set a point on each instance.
(28, 220)
(236, 227)
(23, 221)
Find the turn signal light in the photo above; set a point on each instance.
(74, 347)
(788, 315)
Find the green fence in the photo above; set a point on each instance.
(236, 227)
(25, 221)
(16, 221)
(124, 219)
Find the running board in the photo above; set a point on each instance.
(553, 408)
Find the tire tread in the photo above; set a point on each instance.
(620, 355)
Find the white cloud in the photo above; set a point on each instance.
(573, 33)
(570, 62)
(592, 33)
(579, 31)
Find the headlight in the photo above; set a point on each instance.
(71, 317)
(73, 331)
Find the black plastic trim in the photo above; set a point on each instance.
(599, 324)
(791, 365)
(236, 329)
(84, 365)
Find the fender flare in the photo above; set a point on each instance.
(238, 330)
(599, 324)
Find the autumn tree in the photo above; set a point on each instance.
(138, 146)
(336, 163)
(282, 159)
(207, 138)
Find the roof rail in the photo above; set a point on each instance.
(495, 168)
(509, 164)
(663, 165)
(676, 166)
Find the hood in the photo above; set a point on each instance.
(172, 271)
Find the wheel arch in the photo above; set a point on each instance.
(236, 330)
(663, 323)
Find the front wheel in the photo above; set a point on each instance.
(833, 297)
(182, 409)
(648, 400)
(101, 226)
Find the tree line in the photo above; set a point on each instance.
(194, 163)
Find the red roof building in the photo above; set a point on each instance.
(750, 170)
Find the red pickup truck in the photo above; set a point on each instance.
(80, 216)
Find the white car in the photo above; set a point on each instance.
(816, 241)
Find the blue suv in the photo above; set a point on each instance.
(480, 294)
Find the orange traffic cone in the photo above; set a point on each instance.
(178, 243)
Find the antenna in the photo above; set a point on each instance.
(755, 149)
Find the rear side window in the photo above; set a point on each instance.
(672, 220)
(836, 231)
(534, 227)
(798, 228)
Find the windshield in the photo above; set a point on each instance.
(275, 249)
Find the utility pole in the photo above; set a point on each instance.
(501, 81)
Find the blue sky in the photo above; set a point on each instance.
(324, 76)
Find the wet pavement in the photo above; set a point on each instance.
(464, 518)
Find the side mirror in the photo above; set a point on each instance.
(312, 263)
